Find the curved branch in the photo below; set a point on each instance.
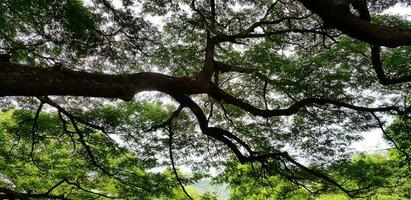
(263, 21)
(224, 135)
(213, 132)
(219, 94)
(336, 14)
(377, 65)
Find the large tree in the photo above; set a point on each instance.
(285, 85)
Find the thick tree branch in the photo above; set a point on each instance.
(22, 80)
(11, 194)
(97, 84)
(336, 14)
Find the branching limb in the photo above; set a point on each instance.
(317, 174)
(73, 120)
(225, 137)
(203, 17)
(68, 132)
(269, 10)
(168, 126)
(168, 121)
(219, 94)
(361, 7)
(33, 132)
(93, 159)
(47, 100)
(264, 22)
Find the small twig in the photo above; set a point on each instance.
(55, 186)
(407, 157)
(170, 150)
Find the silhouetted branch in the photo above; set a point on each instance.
(377, 65)
(6, 193)
(170, 151)
(33, 132)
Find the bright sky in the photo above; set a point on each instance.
(399, 9)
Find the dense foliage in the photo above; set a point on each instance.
(56, 165)
(116, 99)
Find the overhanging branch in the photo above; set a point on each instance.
(336, 14)
(23, 80)
(6, 193)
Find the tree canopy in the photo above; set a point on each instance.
(97, 96)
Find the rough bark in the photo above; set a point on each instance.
(22, 80)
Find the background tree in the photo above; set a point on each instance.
(379, 176)
(283, 85)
